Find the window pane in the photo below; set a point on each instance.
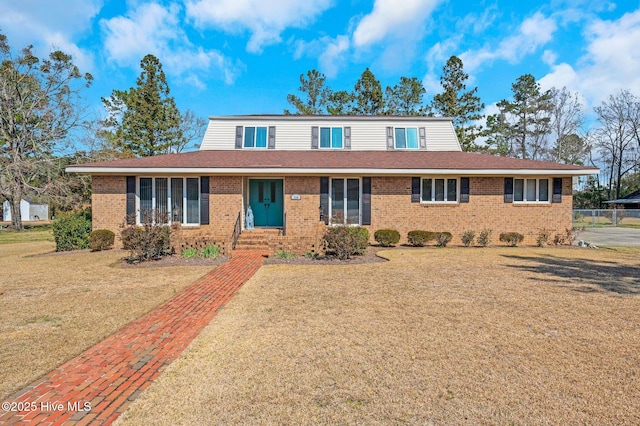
(336, 137)
(518, 190)
(325, 137)
(544, 189)
(531, 190)
(146, 198)
(401, 141)
(426, 190)
(177, 200)
(412, 137)
(439, 189)
(249, 137)
(452, 190)
(261, 137)
(337, 200)
(162, 199)
(353, 201)
(193, 210)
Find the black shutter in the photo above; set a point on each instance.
(366, 201)
(557, 190)
(347, 138)
(204, 200)
(314, 137)
(464, 190)
(390, 141)
(131, 200)
(423, 137)
(415, 189)
(272, 137)
(324, 198)
(239, 130)
(508, 190)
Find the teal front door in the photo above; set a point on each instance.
(266, 200)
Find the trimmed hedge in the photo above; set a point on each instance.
(512, 239)
(468, 237)
(419, 238)
(386, 237)
(344, 241)
(71, 230)
(101, 239)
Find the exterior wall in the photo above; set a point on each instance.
(294, 133)
(303, 215)
(109, 203)
(391, 207)
(28, 211)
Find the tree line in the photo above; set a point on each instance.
(43, 117)
(546, 125)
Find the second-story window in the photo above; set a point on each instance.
(331, 137)
(255, 137)
(406, 137)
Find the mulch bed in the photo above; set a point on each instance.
(369, 257)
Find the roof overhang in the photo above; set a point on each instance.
(319, 172)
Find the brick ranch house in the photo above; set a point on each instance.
(301, 173)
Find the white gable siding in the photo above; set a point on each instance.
(294, 132)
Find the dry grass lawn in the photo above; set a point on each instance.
(53, 307)
(435, 336)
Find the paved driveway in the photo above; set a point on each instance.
(611, 236)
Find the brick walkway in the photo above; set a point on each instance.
(114, 372)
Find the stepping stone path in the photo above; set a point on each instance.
(109, 376)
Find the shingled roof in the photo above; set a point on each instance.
(320, 161)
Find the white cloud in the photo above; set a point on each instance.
(153, 28)
(46, 26)
(333, 55)
(393, 18)
(612, 61)
(533, 33)
(265, 20)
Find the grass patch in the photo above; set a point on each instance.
(54, 306)
(28, 235)
(492, 336)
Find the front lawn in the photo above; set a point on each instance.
(435, 336)
(55, 305)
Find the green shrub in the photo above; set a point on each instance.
(485, 237)
(311, 255)
(71, 230)
(101, 239)
(386, 237)
(189, 253)
(211, 251)
(468, 237)
(149, 241)
(344, 241)
(543, 238)
(512, 239)
(420, 238)
(443, 238)
(281, 254)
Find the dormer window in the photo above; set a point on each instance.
(255, 137)
(406, 137)
(331, 137)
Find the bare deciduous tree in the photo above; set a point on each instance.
(39, 106)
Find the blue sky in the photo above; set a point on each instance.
(225, 57)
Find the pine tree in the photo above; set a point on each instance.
(368, 95)
(456, 102)
(315, 91)
(145, 118)
(406, 97)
